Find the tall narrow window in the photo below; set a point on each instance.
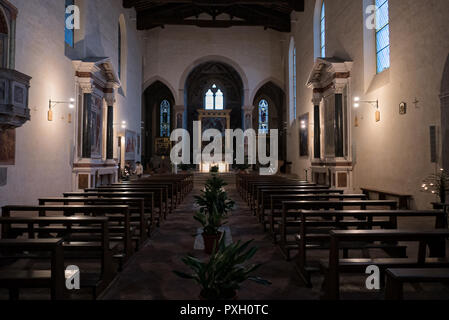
(263, 117)
(214, 99)
(119, 51)
(294, 83)
(165, 118)
(69, 32)
(382, 35)
(323, 31)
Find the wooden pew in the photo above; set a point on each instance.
(54, 278)
(136, 205)
(161, 199)
(263, 201)
(397, 277)
(125, 237)
(292, 209)
(314, 231)
(150, 204)
(403, 199)
(335, 266)
(276, 201)
(80, 242)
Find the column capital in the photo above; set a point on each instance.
(248, 109)
(316, 99)
(86, 85)
(109, 97)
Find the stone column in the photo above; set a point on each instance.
(87, 90)
(445, 130)
(110, 100)
(248, 116)
(316, 125)
(179, 111)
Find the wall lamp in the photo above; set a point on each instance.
(374, 103)
(123, 124)
(52, 104)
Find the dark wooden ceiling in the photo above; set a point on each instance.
(274, 14)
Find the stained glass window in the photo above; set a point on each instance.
(382, 35)
(214, 99)
(69, 32)
(263, 117)
(323, 31)
(165, 119)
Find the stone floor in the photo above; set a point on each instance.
(149, 276)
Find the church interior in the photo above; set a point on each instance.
(350, 98)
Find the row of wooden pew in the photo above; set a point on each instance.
(97, 230)
(302, 216)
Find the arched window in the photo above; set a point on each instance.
(382, 35)
(323, 31)
(263, 117)
(165, 118)
(119, 51)
(214, 99)
(292, 80)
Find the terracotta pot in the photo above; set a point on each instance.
(210, 241)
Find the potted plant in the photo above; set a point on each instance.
(214, 169)
(214, 205)
(242, 168)
(222, 275)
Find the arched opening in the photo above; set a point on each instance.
(445, 116)
(274, 96)
(292, 80)
(157, 115)
(228, 93)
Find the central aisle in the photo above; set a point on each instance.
(149, 276)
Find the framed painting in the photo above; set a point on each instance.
(130, 145)
(8, 147)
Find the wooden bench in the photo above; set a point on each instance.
(314, 233)
(150, 204)
(54, 278)
(292, 209)
(124, 236)
(264, 195)
(80, 242)
(136, 205)
(403, 199)
(397, 277)
(276, 201)
(333, 267)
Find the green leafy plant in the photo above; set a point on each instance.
(222, 276)
(214, 169)
(241, 167)
(214, 205)
(437, 184)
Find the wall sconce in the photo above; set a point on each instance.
(303, 125)
(375, 104)
(123, 124)
(52, 104)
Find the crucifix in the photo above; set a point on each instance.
(416, 102)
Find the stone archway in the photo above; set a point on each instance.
(445, 116)
(152, 97)
(277, 112)
(199, 81)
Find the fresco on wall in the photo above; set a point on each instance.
(8, 147)
(130, 145)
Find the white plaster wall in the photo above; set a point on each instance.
(172, 52)
(44, 149)
(393, 154)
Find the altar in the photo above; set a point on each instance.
(221, 121)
